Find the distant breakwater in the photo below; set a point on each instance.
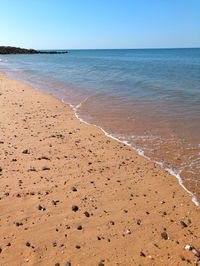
(17, 50)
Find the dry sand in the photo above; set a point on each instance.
(50, 161)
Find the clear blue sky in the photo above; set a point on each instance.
(76, 24)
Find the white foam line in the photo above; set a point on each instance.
(79, 105)
(194, 199)
(139, 151)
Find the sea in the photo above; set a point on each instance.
(148, 99)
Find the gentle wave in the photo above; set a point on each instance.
(139, 151)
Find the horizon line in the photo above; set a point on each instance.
(195, 47)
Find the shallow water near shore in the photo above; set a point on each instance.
(149, 99)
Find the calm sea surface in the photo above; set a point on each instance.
(148, 98)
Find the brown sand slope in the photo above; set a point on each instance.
(51, 161)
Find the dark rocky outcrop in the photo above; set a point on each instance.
(17, 50)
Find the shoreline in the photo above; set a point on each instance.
(130, 201)
(139, 151)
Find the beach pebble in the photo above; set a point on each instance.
(183, 224)
(54, 202)
(68, 264)
(18, 224)
(73, 189)
(156, 245)
(40, 208)
(87, 214)
(142, 254)
(164, 235)
(28, 244)
(79, 227)
(26, 151)
(188, 247)
(43, 158)
(45, 168)
(32, 170)
(128, 231)
(74, 208)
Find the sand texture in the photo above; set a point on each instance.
(69, 194)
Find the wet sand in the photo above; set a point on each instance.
(173, 142)
(69, 194)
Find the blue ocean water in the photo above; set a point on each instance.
(149, 98)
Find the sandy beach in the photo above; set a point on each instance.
(69, 195)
